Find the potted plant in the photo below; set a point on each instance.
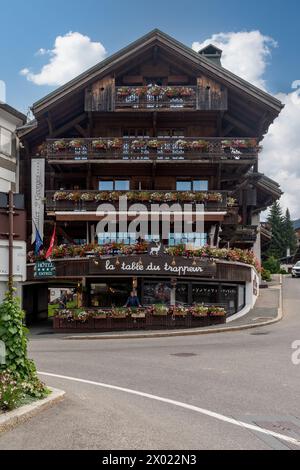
(88, 197)
(199, 145)
(160, 310)
(216, 311)
(182, 144)
(115, 144)
(178, 311)
(138, 312)
(153, 144)
(155, 90)
(214, 197)
(100, 314)
(75, 144)
(123, 92)
(119, 312)
(199, 311)
(137, 145)
(99, 144)
(141, 91)
(60, 196)
(75, 197)
(59, 145)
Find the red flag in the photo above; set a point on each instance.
(50, 249)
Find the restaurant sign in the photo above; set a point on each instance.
(44, 269)
(158, 265)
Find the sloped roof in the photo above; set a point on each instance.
(296, 224)
(12, 111)
(158, 37)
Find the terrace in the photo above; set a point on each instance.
(105, 149)
(89, 200)
(157, 98)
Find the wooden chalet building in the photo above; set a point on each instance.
(161, 123)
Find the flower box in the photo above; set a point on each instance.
(138, 315)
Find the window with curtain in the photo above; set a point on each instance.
(5, 141)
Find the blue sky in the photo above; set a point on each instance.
(28, 26)
(246, 31)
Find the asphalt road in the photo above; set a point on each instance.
(248, 376)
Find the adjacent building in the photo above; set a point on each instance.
(158, 123)
(10, 119)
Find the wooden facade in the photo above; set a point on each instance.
(157, 117)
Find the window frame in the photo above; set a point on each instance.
(8, 154)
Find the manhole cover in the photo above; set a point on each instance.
(184, 354)
(260, 333)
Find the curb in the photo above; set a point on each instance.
(13, 418)
(169, 334)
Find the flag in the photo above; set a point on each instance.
(38, 243)
(50, 249)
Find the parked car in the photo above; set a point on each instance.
(296, 270)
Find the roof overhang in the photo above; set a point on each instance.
(156, 37)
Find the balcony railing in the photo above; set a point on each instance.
(157, 98)
(147, 149)
(89, 200)
(239, 234)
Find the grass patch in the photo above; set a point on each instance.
(53, 307)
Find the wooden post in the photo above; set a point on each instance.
(10, 242)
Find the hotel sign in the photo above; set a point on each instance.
(44, 269)
(149, 265)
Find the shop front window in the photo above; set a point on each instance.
(196, 239)
(205, 293)
(157, 293)
(182, 294)
(110, 294)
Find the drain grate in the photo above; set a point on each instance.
(184, 354)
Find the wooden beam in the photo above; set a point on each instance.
(81, 131)
(239, 124)
(69, 125)
(227, 130)
(49, 122)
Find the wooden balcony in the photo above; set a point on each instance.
(89, 200)
(156, 98)
(100, 149)
(239, 234)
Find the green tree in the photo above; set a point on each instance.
(277, 247)
(289, 233)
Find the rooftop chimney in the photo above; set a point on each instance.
(212, 53)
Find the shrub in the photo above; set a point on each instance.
(11, 391)
(272, 264)
(17, 365)
(266, 275)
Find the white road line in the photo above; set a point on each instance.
(203, 411)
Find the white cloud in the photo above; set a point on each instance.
(244, 53)
(280, 158)
(247, 54)
(71, 55)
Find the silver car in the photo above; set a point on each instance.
(296, 270)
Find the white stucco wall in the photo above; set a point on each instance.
(251, 295)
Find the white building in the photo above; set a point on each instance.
(10, 119)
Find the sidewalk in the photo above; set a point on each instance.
(267, 310)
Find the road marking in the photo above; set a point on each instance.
(202, 411)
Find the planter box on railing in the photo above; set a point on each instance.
(149, 148)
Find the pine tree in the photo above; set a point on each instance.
(277, 247)
(289, 233)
